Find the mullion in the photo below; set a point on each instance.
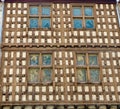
(40, 66)
(87, 65)
(83, 16)
(39, 16)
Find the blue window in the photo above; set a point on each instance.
(88, 11)
(47, 75)
(89, 23)
(83, 17)
(77, 23)
(46, 59)
(46, 11)
(77, 11)
(34, 59)
(34, 10)
(94, 75)
(40, 16)
(93, 60)
(33, 22)
(45, 22)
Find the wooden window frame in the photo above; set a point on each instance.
(83, 17)
(40, 66)
(88, 67)
(40, 16)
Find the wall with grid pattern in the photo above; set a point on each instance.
(18, 37)
(64, 88)
(62, 33)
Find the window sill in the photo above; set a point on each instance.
(85, 29)
(40, 83)
(89, 82)
(32, 29)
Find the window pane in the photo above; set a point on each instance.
(33, 22)
(46, 59)
(46, 11)
(34, 59)
(33, 10)
(93, 60)
(88, 11)
(45, 23)
(81, 75)
(77, 23)
(33, 75)
(94, 75)
(80, 59)
(77, 11)
(47, 75)
(89, 23)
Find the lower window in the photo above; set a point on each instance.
(40, 68)
(87, 68)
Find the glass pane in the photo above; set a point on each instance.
(77, 23)
(77, 11)
(33, 22)
(33, 75)
(88, 11)
(46, 59)
(94, 75)
(81, 75)
(80, 59)
(47, 75)
(89, 23)
(34, 59)
(93, 60)
(34, 10)
(46, 11)
(45, 23)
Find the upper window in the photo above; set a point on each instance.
(40, 68)
(83, 17)
(88, 69)
(39, 16)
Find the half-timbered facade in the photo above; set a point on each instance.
(60, 55)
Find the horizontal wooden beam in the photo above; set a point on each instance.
(65, 1)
